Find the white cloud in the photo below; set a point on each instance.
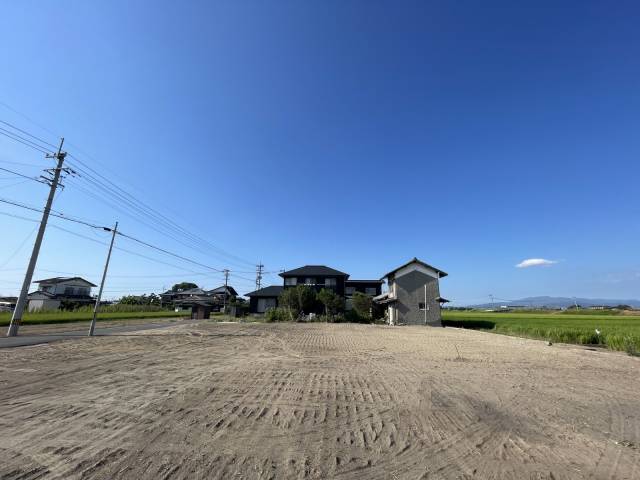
(535, 262)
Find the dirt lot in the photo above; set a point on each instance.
(317, 401)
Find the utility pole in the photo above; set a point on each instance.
(226, 282)
(104, 276)
(492, 303)
(260, 266)
(16, 318)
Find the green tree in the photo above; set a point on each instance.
(151, 299)
(332, 302)
(299, 299)
(362, 305)
(179, 287)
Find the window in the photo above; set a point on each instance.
(83, 291)
(68, 290)
(290, 280)
(330, 282)
(422, 306)
(350, 290)
(370, 291)
(309, 281)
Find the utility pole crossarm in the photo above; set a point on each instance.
(259, 268)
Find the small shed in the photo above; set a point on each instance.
(262, 300)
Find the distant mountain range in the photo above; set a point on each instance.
(560, 302)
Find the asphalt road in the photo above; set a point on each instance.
(26, 340)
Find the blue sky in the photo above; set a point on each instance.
(473, 135)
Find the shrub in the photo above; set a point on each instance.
(278, 314)
(337, 318)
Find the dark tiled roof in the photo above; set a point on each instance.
(271, 291)
(192, 291)
(220, 291)
(62, 279)
(313, 270)
(197, 300)
(415, 260)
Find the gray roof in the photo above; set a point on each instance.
(270, 291)
(192, 291)
(62, 280)
(220, 291)
(40, 292)
(313, 270)
(416, 260)
(197, 300)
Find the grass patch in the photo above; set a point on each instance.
(617, 332)
(39, 318)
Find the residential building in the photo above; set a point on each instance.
(214, 296)
(316, 277)
(413, 296)
(7, 304)
(53, 292)
(372, 288)
(265, 298)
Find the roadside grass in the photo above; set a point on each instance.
(617, 332)
(78, 316)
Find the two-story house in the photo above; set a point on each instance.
(413, 296)
(316, 277)
(52, 292)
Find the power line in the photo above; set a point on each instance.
(144, 211)
(20, 247)
(14, 184)
(29, 134)
(35, 179)
(116, 192)
(104, 243)
(169, 253)
(21, 163)
(33, 209)
(24, 141)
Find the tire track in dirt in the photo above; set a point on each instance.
(317, 401)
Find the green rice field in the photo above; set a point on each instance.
(617, 332)
(77, 316)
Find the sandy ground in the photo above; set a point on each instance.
(317, 401)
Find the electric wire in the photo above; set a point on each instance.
(18, 174)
